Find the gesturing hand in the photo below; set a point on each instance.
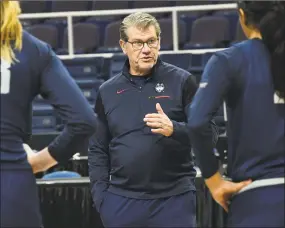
(159, 122)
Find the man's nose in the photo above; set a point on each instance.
(145, 48)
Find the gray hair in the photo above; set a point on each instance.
(139, 20)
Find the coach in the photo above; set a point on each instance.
(140, 164)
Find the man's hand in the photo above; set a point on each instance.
(223, 190)
(39, 161)
(159, 122)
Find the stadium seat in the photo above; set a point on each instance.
(232, 17)
(46, 33)
(152, 4)
(90, 88)
(198, 62)
(111, 38)
(108, 5)
(85, 68)
(43, 117)
(192, 13)
(208, 32)
(239, 35)
(116, 64)
(32, 7)
(61, 175)
(67, 6)
(179, 60)
(166, 33)
(86, 38)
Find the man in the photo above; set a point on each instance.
(140, 163)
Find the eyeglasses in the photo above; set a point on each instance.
(138, 45)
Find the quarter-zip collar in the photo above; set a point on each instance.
(153, 75)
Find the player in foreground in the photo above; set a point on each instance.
(29, 67)
(250, 76)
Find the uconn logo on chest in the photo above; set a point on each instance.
(159, 88)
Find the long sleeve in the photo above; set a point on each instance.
(180, 129)
(213, 87)
(62, 92)
(98, 156)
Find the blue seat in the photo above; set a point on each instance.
(179, 60)
(209, 32)
(90, 88)
(116, 64)
(232, 17)
(43, 117)
(198, 62)
(61, 175)
(85, 68)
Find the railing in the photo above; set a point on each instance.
(174, 10)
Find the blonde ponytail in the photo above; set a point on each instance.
(11, 30)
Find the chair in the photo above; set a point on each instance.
(111, 38)
(86, 38)
(152, 4)
(208, 32)
(66, 6)
(84, 68)
(32, 7)
(43, 117)
(179, 60)
(46, 33)
(166, 33)
(116, 64)
(198, 62)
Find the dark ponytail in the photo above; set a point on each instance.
(269, 18)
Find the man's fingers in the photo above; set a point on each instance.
(153, 120)
(154, 115)
(157, 131)
(154, 125)
(159, 108)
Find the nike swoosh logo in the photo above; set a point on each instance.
(121, 91)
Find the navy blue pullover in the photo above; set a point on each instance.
(40, 71)
(241, 76)
(125, 157)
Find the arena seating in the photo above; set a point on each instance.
(100, 34)
(198, 29)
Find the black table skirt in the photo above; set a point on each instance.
(68, 204)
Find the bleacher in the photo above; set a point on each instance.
(197, 29)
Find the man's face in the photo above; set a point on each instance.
(142, 56)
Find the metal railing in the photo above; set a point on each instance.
(174, 10)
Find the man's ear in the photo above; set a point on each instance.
(122, 44)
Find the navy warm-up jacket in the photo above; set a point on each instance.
(40, 71)
(241, 76)
(125, 156)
